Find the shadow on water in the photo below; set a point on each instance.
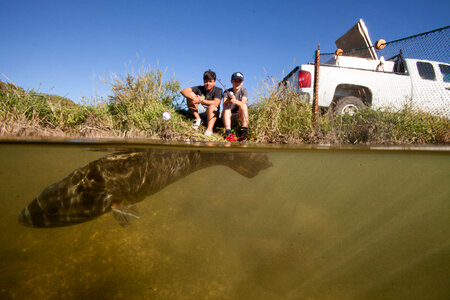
(316, 224)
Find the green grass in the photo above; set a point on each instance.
(283, 116)
(133, 110)
(280, 116)
(391, 127)
(137, 102)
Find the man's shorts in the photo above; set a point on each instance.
(203, 111)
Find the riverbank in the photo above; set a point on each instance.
(135, 107)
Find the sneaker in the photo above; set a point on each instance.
(231, 138)
(242, 138)
(196, 123)
(208, 133)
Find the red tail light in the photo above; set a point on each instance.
(304, 79)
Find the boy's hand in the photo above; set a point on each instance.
(235, 101)
(198, 99)
(229, 98)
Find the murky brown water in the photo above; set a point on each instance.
(318, 224)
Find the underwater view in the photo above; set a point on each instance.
(170, 221)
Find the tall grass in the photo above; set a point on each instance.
(18, 105)
(133, 110)
(391, 127)
(280, 116)
(137, 101)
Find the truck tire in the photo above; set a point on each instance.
(348, 105)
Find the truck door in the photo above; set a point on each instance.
(445, 73)
(430, 91)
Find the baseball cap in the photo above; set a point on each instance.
(237, 75)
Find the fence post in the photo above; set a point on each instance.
(316, 86)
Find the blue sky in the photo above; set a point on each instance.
(68, 47)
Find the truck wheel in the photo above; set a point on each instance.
(348, 105)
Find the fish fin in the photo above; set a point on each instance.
(249, 164)
(124, 214)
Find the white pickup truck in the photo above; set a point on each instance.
(348, 83)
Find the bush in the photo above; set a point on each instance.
(391, 127)
(138, 102)
(280, 115)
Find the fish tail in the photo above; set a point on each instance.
(249, 164)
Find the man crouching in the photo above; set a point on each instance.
(235, 107)
(204, 101)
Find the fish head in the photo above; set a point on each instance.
(65, 203)
(44, 211)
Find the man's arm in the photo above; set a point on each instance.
(245, 96)
(243, 99)
(216, 100)
(226, 99)
(189, 94)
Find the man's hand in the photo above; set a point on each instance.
(227, 101)
(197, 99)
(235, 101)
(231, 98)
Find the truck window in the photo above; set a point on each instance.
(445, 70)
(426, 70)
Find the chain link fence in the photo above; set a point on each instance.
(405, 83)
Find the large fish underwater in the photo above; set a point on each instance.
(118, 181)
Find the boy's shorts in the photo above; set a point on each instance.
(203, 111)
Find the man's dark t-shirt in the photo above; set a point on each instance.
(200, 90)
